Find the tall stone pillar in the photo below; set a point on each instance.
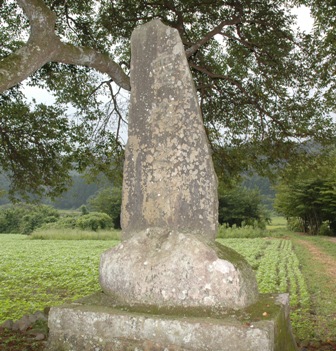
(169, 178)
(169, 286)
(168, 256)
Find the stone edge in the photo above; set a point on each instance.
(93, 327)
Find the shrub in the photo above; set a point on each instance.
(94, 221)
(325, 230)
(74, 234)
(225, 231)
(241, 206)
(25, 218)
(295, 224)
(68, 222)
(108, 200)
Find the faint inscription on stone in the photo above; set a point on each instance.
(168, 256)
(169, 179)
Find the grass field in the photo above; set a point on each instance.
(39, 273)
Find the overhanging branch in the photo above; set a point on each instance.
(211, 34)
(44, 46)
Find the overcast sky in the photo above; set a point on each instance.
(305, 22)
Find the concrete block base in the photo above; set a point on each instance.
(98, 323)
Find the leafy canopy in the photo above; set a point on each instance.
(308, 195)
(263, 86)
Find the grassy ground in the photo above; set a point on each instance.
(62, 270)
(317, 257)
(318, 264)
(277, 223)
(75, 234)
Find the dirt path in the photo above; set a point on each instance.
(328, 261)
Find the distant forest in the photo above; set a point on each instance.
(81, 190)
(77, 194)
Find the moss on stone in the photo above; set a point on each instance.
(253, 313)
(266, 314)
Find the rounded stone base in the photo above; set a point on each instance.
(168, 268)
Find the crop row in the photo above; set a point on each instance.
(278, 270)
(39, 273)
(35, 274)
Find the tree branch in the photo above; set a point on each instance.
(253, 100)
(38, 49)
(211, 34)
(84, 56)
(44, 46)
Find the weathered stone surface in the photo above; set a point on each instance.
(169, 268)
(91, 326)
(169, 286)
(170, 206)
(169, 179)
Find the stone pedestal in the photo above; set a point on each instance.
(168, 285)
(168, 255)
(98, 323)
(168, 268)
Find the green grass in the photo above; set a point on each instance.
(322, 293)
(278, 270)
(225, 232)
(75, 234)
(324, 243)
(277, 222)
(39, 273)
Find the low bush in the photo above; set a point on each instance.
(325, 230)
(295, 224)
(74, 234)
(240, 207)
(247, 231)
(108, 200)
(25, 218)
(94, 221)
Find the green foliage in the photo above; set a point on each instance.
(263, 184)
(278, 270)
(31, 140)
(40, 273)
(77, 194)
(108, 200)
(79, 190)
(311, 202)
(295, 224)
(94, 221)
(264, 88)
(248, 231)
(74, 234)
(241, 206)
(84, 210)
(25, 218)
(66, 222)
(320, 287)
(91, 221)
(325, 230)
(321, 43)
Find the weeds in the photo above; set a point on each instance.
(75, 234)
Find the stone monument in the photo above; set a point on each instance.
(169, 285)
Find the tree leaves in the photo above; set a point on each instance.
(36, 147)
(264, 89)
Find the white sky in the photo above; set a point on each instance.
(304, 21)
